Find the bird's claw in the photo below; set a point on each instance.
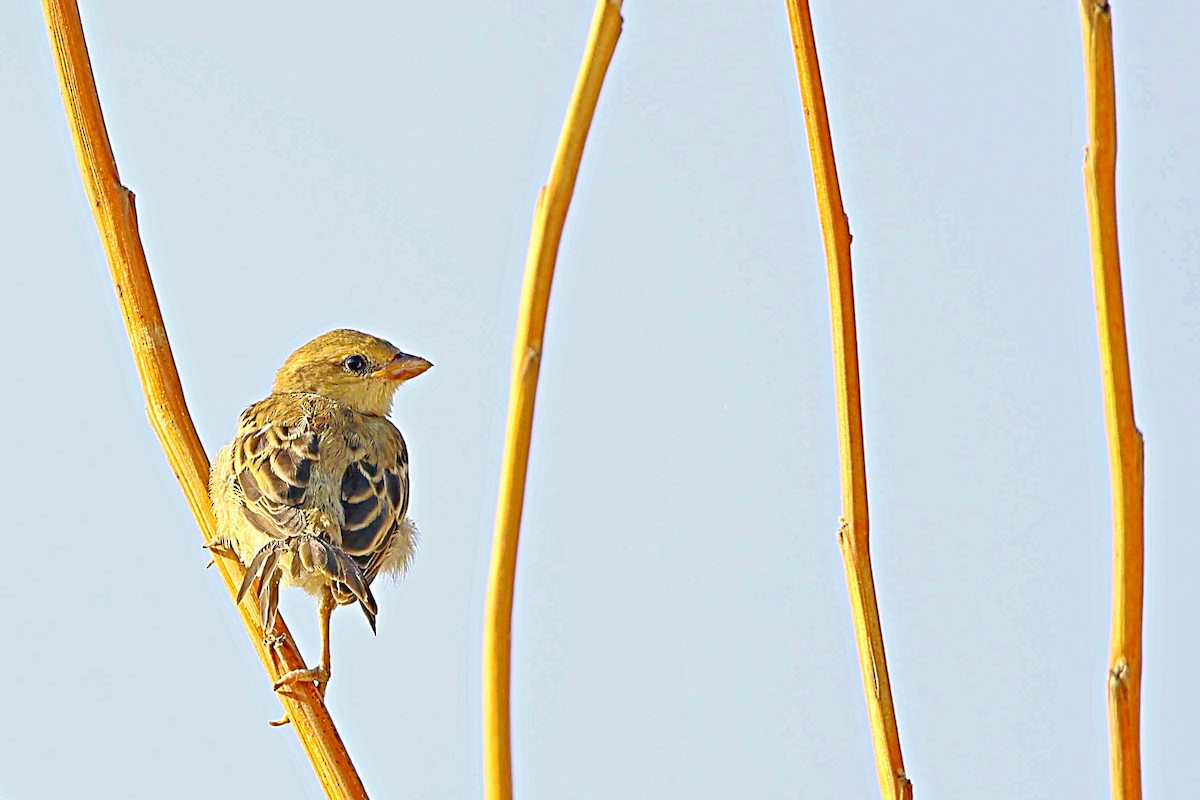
(272, 640)
(319, 677)
(219, 547)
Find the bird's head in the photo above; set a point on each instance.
(357, 369)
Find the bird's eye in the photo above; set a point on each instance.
(355, 363)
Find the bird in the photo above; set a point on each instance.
(313, 490)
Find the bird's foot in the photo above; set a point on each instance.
(219, 547)
(272, 640)
(319, 677)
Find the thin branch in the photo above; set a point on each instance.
(1125, 446)
(548, 219)
(853, 534)
(113, 206)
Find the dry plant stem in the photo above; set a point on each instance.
(1124, 686)
(113, 206)
(853, 535)
(549, 216)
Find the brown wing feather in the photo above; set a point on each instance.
(374, 498)
(274, 459)
(273, 463)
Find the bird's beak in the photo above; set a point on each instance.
(402, 367)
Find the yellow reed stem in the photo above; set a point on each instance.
(116, 219)
(853, 534)
(549, 216)
(1125, 446)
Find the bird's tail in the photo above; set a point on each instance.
(311, 554)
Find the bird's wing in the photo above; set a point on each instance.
(374, 497)
(374, 491)
(273, 460)
(275, 455)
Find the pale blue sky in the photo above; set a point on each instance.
(682, 627)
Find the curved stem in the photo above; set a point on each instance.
(116, 219)
(549, 216)
(853, 535)
(1125, 446)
